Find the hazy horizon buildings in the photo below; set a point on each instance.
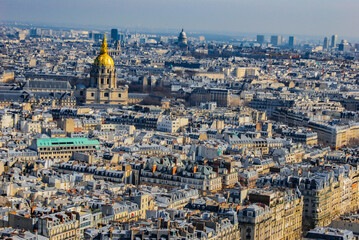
(260, 39)
(35, 32)
(291, 41)
(326, 43)
(344, 46)
(151, 129)
(334, 41)
(276, 40)
(114, 34)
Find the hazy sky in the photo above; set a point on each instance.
(307, 17)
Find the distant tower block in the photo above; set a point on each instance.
(276, 40)
(260, 39)
(326, 43)
(291, 41)
(334, 41)
(114, 35)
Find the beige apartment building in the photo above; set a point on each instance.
(275, 215)
(63, 148)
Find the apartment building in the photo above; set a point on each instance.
(59, 226)
(327, 194)
(166, 173)
(63, 148)
(171, 125)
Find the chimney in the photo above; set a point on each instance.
(195, 169)
(258, 127)
(70, 215)
(216, 169)
(229, 166)
(154, 168)
(60, 217)
(168, 224)
(174, 169)
(110, 230)
(33, 209)
(159, 223)
(191, 229)
(200, 226)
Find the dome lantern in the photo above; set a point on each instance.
(104, 60)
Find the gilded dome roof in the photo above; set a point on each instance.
(104, 60)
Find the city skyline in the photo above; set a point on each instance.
(186, 120)
(232, 17)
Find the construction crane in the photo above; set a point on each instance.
(270, 55)
(343, 63)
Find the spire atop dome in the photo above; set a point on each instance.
(104, 45)
(104, 60)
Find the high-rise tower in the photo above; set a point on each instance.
(114, 34)
(334, 41)
(260, 39)
(326, 43)
(276, 40)
(291, 41)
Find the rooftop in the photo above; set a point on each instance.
(51, 142)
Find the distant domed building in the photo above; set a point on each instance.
(102, 88)
(182, 39)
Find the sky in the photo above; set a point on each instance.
(301, 17)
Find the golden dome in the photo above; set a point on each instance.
(104, 60)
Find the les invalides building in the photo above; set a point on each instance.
(103, 87)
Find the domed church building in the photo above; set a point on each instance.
(103, 87)
(182, 39)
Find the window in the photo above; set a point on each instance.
(101, 80)
(92, 94)
(105, 94)
(108, 81)
(119, 95)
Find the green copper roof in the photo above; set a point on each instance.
(53, 142)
